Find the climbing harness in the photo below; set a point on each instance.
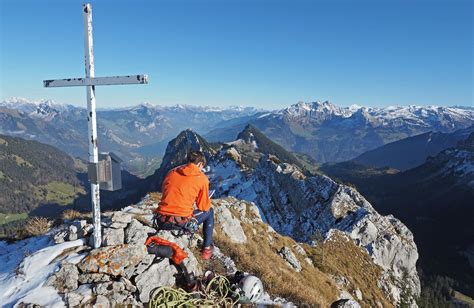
(178, 226)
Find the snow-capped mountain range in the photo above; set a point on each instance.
(139, 134)
(329, 133)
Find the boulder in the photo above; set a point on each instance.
(136, 233)
(113, 260)
(121, 217)
(66, 279)
(290, 258)
(230, 225)
(80, 296)
(159, 274)
(128, 285)
(60, 237)
(145, 263)
(112, 237)
(72, 233)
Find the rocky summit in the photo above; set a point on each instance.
(308, 238)
(61, 269)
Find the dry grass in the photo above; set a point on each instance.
(259, 257)
(342, 257)
(71, 214)
(38, 226)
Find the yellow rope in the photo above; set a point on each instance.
(215, 294)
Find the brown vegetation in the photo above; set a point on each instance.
(71, 214)
(38, 226)
(342, 257)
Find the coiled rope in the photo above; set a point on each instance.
(216, 293)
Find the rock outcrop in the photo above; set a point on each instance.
(301, 206)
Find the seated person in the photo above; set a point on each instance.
(182, 187)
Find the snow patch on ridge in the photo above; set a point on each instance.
(25, 280)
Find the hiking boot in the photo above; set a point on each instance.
(206, 252)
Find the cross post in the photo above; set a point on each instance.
(90, 81)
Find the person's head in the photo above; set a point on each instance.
(197, 158)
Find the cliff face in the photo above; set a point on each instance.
(301, 206)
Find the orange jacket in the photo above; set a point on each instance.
(183, 186)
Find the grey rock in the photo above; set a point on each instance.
(139, 268)
(128, 284)
(299, 249)
(118, 225)
(160, 274)
(300, 206)
(115, 291)
(121, 217)
(113, 260)
(136, 233)
(66, 279)
(73, 229)
(60, 237)
(290, 258)
(72, 233)
(72, 236)
(101, 302)
(93, 278)
(87, 230)
(103, 288)
(80, 296)
(112, 237)
(230, 225)
(358, 294)
(73, 299)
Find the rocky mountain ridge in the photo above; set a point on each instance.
(300, 206)
(435, 201)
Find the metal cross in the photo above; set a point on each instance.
(90, 81)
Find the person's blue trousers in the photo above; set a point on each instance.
(207, 221)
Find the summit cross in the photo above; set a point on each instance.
(90, 81)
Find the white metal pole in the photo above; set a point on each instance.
(91, 119)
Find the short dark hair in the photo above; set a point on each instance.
(196, 157)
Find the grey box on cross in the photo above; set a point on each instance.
(110, 177)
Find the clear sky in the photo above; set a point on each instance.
(267, 54)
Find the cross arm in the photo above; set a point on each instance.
(97, 81)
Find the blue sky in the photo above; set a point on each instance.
(267, 54)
